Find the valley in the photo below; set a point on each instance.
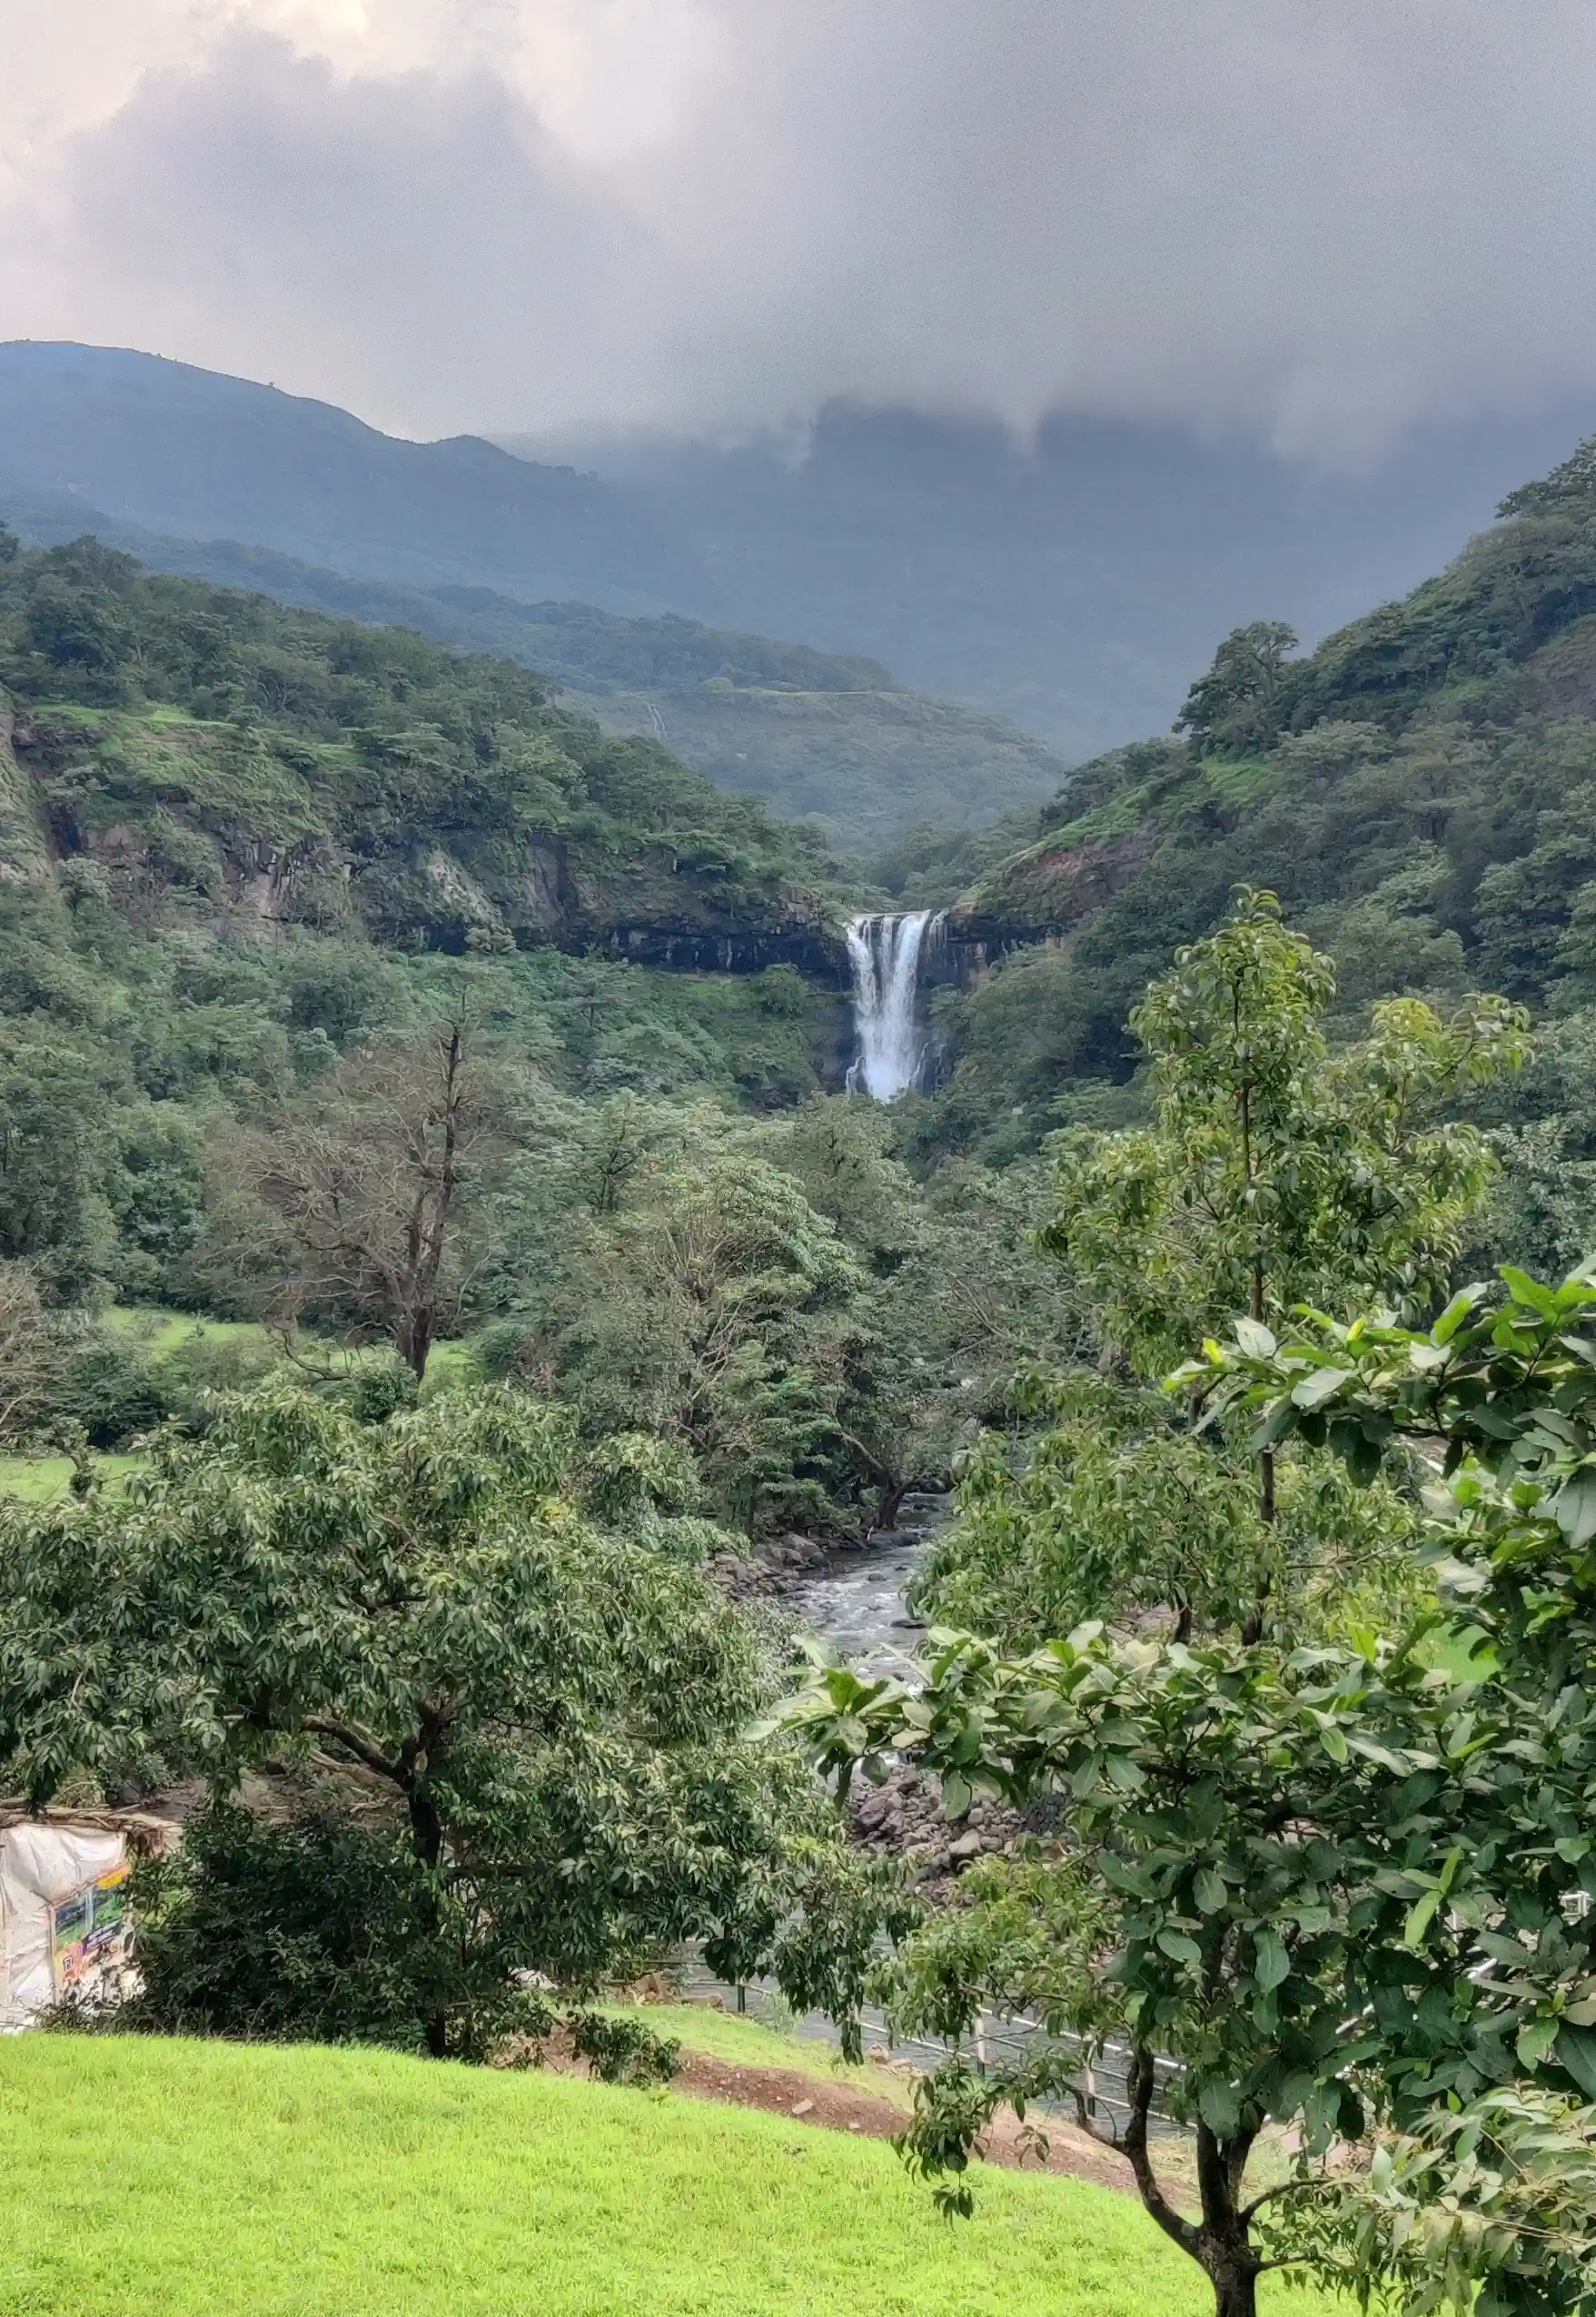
(550, 1317)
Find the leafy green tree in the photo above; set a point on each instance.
(52, 1161)
(547, 1721)
(717, 1308)
(1276, 1170)
(1344, 1889)
(1232, 709)
(31, 1352)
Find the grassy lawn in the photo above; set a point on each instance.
(750, 2043)
(37, 1479)
(157, 1331)
(149, 2179)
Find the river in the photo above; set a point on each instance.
(856, 1602)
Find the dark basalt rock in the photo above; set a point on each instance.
(819, 955)
(968, 945)
(952, 959)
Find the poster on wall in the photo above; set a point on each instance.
(90, 1936)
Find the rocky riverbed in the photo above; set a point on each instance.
(854, 1598)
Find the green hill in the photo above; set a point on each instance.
(1421, 791)
(214, 2180)
(226, 752)
(813, 734)
(238, 841)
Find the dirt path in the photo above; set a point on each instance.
(811, 2101)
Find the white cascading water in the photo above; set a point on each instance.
(885, 954)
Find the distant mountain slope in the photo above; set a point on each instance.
(193, 453)
(1419, 791)
(1072, 585)
(814, 734)
(869, 765)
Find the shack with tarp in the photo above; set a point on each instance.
(65, 1929)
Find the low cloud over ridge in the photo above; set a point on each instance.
(1318, 219)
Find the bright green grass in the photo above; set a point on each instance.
(146, 2179)
(157, 1331)
(36, 1479)
(752, 2043)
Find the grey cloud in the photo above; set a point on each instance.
(1317, 218)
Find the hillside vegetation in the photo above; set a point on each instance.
(1419, 792)
(204, 2180)
(822, 735)
(222, 746)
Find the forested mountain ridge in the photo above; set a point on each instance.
(198, 454)
(207, 747)
(1419, 792)
(1071, 582)
(822, 735)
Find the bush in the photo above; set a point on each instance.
(316, 1930)
(326, 1928)
(376, 1387)
(113, 1390)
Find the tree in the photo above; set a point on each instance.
(715, 1306)
(544, 1724)
(1276, 1171)
(31, 1353)
(1231, 710)
(1345, 1888)
(372, 1185)
(52, 1160)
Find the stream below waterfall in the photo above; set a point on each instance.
(855, 1602)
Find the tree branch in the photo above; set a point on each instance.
(363, 1748)
(1139, 2084)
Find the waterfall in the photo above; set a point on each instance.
(885, 952)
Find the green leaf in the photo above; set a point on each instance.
(1535, 2040)
(1255, 1339)
(1530, 1292)
(1208, 1891)
(1576, 2051)
(1220, 2109)
(1420, 1917)
(1180, 1945)
(1315, 1389)
(1455, 1313)
(1574, 1507)
(1334, 1740)
(1281, 1420)
(957, 1793)
(1271, 1961)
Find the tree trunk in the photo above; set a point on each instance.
(1236, 2288)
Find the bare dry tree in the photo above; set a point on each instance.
(373, 1186)
(30, 1353)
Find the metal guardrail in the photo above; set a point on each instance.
(996, 2038)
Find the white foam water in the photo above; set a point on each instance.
(886, 953)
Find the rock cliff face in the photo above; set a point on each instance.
(817, 952)
(1047, 890)
(188, 820)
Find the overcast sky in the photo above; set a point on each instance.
(1321, 219)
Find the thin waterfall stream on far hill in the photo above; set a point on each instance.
(885, 953)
